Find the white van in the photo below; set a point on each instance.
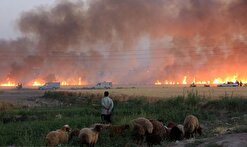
(106, 85)
(50, 86)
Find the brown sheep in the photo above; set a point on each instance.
(141, 126)
(191, 126)
(138, 134)
(73, 133)
(176, 133)
(89, 136)
(148, 126)
(171, 124)
(60, 136)
(117, 129)
(159, 133)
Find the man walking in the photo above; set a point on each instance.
(107, 108)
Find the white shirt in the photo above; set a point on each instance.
(107, 105)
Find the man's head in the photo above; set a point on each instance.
(106, 93)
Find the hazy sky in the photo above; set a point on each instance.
(10, 10)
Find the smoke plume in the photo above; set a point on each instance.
(128, 41)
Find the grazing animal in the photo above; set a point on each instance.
(158, 134)
(176, 133)
(60, 136)
(89, 136)
(117, 129)
(191, 126)
(141, 126)
(74, 133)
(171, 124)
(138, 134)
(148, 126)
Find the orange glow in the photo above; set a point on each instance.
(37, 83)
(217, 80)
(40, 82)
(71, 82)
(227, 79)
(185, 80)
(8, 84)
(64, 83)
(157, 82)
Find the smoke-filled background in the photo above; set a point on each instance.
(128, 41)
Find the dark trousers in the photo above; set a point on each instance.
(106, 118)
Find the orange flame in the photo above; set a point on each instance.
(8, 84)
(37, 83)
(217, 80)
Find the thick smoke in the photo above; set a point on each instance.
(128, 41)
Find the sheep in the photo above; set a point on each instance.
(181, 128)
(74, 132)
(148, 126)
(138, 134)
(117, 129)
(158, 134)
(171, 124)
(191, 126)
(59, 136)
(89, 136)
(140, 127)
(176, 133)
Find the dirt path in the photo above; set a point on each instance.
(227, 140)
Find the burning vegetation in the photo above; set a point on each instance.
(171, 42)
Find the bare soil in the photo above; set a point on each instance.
(226, 140)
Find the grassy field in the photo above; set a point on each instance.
(124, 93)
(163, 92)
(27, 126)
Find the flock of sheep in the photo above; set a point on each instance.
(142, 129)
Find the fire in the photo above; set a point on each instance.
(9, 84)
(37, 83)
(227, 79)
(78, 82)
(158, 82)
(40, 82)
(216, 80)
(185, 80)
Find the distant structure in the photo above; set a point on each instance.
(103, 85)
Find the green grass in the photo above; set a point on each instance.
(80, 111)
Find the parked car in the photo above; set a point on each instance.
(103, 85)
(50, 86)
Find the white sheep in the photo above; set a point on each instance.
(60, 136)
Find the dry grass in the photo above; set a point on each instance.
(162, 92)
(123, 93)
(5, 105)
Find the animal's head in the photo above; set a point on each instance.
(171, 125)
(161, 120)
(66, 128)
(73, 133)
(176, 134)
(199, 130)
(126, 126)
(98, 127)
